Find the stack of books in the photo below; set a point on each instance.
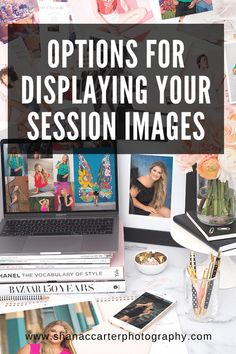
(62, 274)
(219, 238)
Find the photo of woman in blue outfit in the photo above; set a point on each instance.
(63, 169)
(15, 162)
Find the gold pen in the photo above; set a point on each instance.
(193, 278)
(192, 274)
(208, 277)
(218, 260)
(202, 288)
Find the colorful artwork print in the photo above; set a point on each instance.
(85, 180)
(104, 178)
(167, 9)
(88, 183)
(13, 11)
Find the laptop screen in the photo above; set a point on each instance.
(57, 177)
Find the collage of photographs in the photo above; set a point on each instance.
(40, 179)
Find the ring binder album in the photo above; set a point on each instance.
(23, 297)
(40, 317)
(117, 298)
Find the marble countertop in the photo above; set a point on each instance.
(222, 329)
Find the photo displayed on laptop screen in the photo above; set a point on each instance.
(59, 177)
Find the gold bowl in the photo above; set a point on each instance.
(150, 261)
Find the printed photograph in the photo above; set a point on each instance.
(46, 330)
(53, 12)
(17, 194)
(230, 58)
(201, 59)
(94, 183)
(40, 177)
(10, 78)
(18, 11)
(25, 37)
(143, 310)
(113, 11)
(150, 185)
(64, 196)
(180, 8)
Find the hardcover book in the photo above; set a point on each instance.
(48, 288)
(213, 233)
(19, 273)
(219, 245)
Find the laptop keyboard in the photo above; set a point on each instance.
(57, 227)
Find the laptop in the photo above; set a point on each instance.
(59, 197)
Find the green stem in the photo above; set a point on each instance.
(215, 210)
(219, 199)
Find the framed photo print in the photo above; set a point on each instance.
(230, 66)
(152, 191)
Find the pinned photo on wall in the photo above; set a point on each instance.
(17, 11)
(170, 9)
(24, 40)
(53, 12)
(112, 11)
(202, 59)
(230, 67)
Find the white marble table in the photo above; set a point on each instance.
(222, 330)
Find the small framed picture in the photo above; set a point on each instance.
(153, 191)
(230, 67)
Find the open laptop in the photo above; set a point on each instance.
(59, 197)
